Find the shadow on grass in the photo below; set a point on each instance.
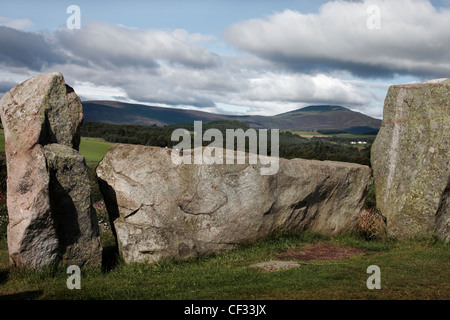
(4, 274)
(26, 295)
(109, 258)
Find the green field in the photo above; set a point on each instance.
(93, 149)
(352, 136)
(305, 134)
(310, 134)
(409, 270)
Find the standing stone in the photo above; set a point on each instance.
(410, 160)
(51, 219)
(161, 210)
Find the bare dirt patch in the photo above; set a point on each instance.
(320, 251)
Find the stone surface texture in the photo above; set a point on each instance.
(160, 209)
(410, 160)
(51, 219)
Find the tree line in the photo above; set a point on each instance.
(291, 145)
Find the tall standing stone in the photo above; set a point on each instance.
(51, 218)
(410, 160)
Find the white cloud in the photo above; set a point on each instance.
(89, 91)
(291, 59)
(20, 24)
(300, 87)
(413, 38)
(261, 90)
(115, 45)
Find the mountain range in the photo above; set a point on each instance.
(312, 118)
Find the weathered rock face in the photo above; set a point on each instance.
(51, 219)
(410, 160)
(163, 210)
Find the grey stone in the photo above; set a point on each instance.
(74, 217)
(160, 209)
(410, 160)
(41, 119)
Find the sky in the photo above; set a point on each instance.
(233, 57)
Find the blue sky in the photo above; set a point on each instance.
(245, 57)
(212, 16)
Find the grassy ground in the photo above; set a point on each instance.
(356, 137)
(417, 269)
(306, 134)
(310, 134)
(93, 149)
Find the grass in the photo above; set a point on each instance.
(93, 149)
(418, 269)
(310, 134)
(352, 135)
(306, 134)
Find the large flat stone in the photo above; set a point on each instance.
(160, 209)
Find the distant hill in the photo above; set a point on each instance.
(319, 117)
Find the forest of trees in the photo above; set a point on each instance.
(291, 145)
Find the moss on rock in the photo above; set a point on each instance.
(410, 157)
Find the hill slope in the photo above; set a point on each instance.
(309, 118)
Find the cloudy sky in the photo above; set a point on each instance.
(234, 57)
